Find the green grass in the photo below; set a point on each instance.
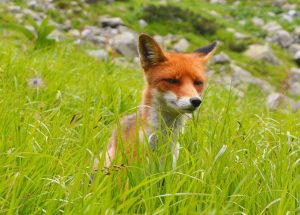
(236, 157)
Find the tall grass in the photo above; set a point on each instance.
(235, 156)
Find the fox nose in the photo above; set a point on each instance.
(196, 101)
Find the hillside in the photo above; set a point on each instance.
(69, 70)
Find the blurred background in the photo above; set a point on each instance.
(259, 41)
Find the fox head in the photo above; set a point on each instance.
(174, 80)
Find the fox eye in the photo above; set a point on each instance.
(172, 81)
(198, 83)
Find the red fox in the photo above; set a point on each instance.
(174, 82)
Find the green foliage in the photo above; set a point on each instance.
(235, 156)
(177, 18)
(40, 35)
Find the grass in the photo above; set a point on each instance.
(236, 157)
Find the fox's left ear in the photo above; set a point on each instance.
(207, 52)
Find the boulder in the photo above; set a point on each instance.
(142, 23)
(296, 35)
(294, 89)
(294, 48)
(276, 101)
(282, 38)
(182, 45)
(221, 58)
(241, 77)
(297, 57)
(217, 1)
(272, 27)
(98, 54)
(258, 21)
(125, 43)
(262, 53)
(112, 22)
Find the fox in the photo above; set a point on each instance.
(174, 83)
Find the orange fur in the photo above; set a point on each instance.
(188, 71)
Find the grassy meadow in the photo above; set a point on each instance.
(58, 107)
(236, 157)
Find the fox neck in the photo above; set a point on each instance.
(159, 116)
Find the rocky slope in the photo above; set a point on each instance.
(253, 46)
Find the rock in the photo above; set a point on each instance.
(217, 2)
(276, 101)
(112, 22)
(296, 35)
(74, 33)
(86, 33)
(297, 57)
(262, 53)
(38, 17)
(181, 45)
(294, 75)
(272, 27)
(287, 17)
(14, 9)
(294, 89)
(240, 36)
(98, 40)
(288, 6)
(57, 36)
(294, 48)
(125, 43)
(142, 23)
(32, 4)
(98, 54)
(279, 2)
(241, 76)
(165, 41)
(258, 21)
(242, 22)
(282, 38)
(221, 58)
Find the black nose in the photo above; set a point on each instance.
(196, 101)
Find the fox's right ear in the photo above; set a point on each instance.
(149, 51)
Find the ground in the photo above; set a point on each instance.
(59, 106)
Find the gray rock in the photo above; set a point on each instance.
(98, 54)
(33, 4)
(221, 58)
(272, 27)
(74, 33)
(282, 38)
(112, 22)
(125, 43)
(278, 2)
(142, 23)
(294, 48)
(241, 77)
(258, 21)
(182, 45)
(297, 57)
(240, 36)
(296, 35)
(276, 101)
(14, 9)
(288, 6)
(294, 75)
(57, 36)
(217, 1)
(294, 89)
(262, 53)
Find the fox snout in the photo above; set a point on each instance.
(195, 101)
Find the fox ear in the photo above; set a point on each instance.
(207, 51)
(149, 51)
